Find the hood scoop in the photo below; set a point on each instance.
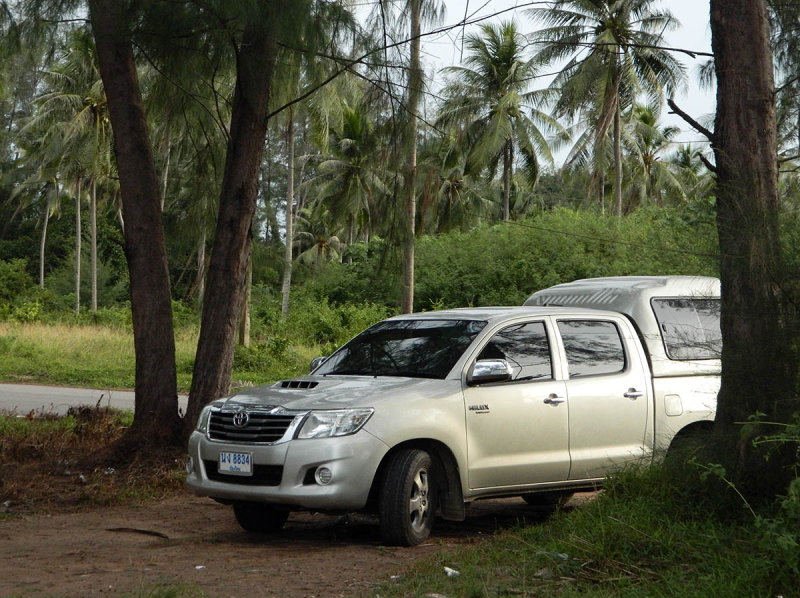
(298, 384)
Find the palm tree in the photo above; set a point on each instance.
(488, 104)
(450, 198)
(351, 180)
(76, 135)
(650, 179)
(696, 181)
(612, 56)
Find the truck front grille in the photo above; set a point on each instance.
(263, 475)
(260, 427)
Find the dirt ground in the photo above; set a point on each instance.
(193, 542)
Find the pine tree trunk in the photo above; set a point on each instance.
(225, 283)
(758, 369)
(156, 421)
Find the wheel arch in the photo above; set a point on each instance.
(451, 496)
(689, 435)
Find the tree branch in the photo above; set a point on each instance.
(692, 122)
(708, 164)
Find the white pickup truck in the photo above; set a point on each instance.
(423, 413)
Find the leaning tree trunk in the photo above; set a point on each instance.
(156, 421)
(758, 370)
(44, 242)
(226, 274)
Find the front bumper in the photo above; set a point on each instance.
(353, 461)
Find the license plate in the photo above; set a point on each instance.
(236, 463)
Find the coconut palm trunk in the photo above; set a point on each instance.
(287, 255)
(42, 245)
(93, 242)
(78, 234)
(508, 171)
(617, 162)
(414, 94)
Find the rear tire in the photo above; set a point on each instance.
(408, 498)
(259, 517)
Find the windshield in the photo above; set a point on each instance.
(412, 348)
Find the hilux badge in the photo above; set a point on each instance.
(479, 408)
(240, 418)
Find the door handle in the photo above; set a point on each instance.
(633, 394)
(554, 399)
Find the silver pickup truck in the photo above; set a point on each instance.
(421, 414)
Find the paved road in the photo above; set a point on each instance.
(24, 398)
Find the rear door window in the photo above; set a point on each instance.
(592, 347)
(689, 327)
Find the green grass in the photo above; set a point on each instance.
(640, 539)
(98, 356)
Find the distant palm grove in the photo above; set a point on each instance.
(514, 180)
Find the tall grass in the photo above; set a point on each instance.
(102, 356)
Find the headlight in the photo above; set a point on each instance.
(202, 421)
(337, 422)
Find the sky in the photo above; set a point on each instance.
(693, 34)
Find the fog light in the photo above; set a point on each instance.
(323, 476)
(189, 466)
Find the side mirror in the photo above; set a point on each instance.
(489, 370)
(316, 362)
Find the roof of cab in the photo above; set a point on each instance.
(497, 313)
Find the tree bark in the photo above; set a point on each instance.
(156, 421)
(226, 275)
(410, 187)
(758, 370)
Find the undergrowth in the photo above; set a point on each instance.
(43, 463)
(652, 533)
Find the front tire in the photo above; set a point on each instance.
(259, 517)
(407, 499)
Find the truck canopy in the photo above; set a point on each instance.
(676, 316)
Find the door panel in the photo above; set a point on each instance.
(607, 428)
(517, 431)
(514, 437)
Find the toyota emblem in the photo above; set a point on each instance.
(240, 418)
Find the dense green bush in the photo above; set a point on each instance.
(505, 263)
